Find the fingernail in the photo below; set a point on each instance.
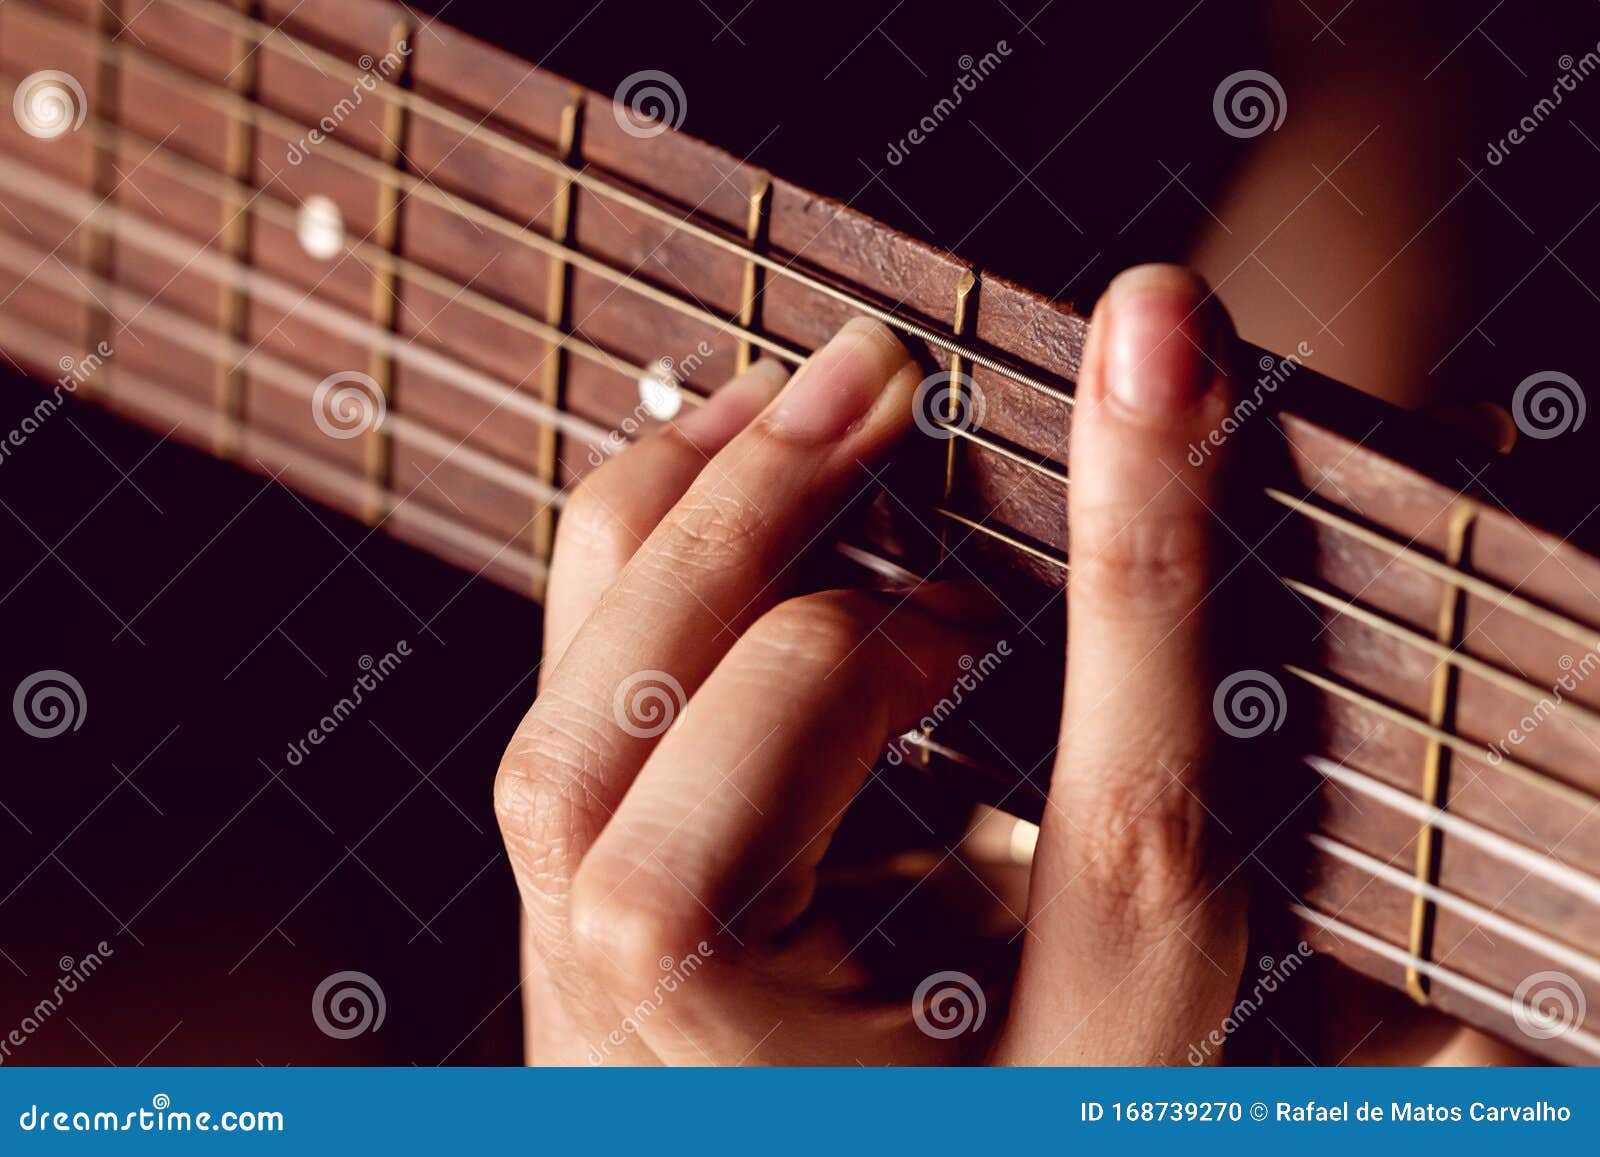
(1161, 351)
(713, 424)
(836, 387)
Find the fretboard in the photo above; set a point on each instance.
(432, 287)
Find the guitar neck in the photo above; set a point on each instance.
(432, 287)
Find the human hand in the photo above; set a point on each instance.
(677, 907)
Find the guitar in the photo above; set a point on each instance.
(374, 277)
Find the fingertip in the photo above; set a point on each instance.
(1165, 342)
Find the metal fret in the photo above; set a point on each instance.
(385, 288)
(96, 246)
(236, 237)
(557, 315)
(755, 234)
(1436, 764)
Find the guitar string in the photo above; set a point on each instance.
(48, 192)
(234, 104)
(206, 341)
(270, 36)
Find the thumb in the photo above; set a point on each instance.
(1133, 949)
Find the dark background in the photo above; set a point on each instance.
(211, 616)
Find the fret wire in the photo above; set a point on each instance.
(558, 291)
(385, 293)
(755, 235)
(1468, 663)
(267, 34)
(1436, 761)
(96, 248)
(236, 238)
(1555, 623)
(1578, 1038)
(1511, 768)
(354, 159)
(1529, 938)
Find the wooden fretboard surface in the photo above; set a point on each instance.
(517, 259)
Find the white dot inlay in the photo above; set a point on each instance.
(320, 227)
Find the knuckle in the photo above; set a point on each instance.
(709, 528)
(629, 932)
(597, 527)
(541, 803)
(1145, 858)
(1141, 561)
(813, 631)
